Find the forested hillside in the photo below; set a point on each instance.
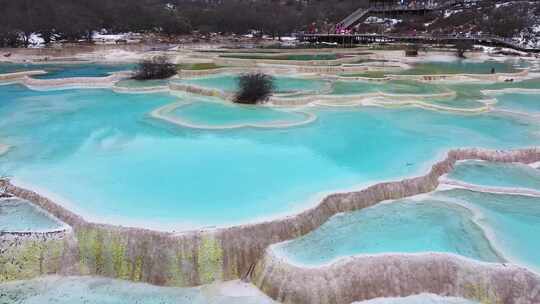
(75, 20)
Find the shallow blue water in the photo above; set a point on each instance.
(407, 226)
(497, 174)
(66, 70)
(19, 215)
(227, 114)
(101, 151)
(526, 103)
(96, 290)
(513, 221)
(82, 70)
(6, 67)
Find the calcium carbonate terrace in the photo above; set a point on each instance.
(149, 155)
(95, 130)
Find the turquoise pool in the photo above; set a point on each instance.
(484, 226)
(67, 70)
(488, 174)
(523, 103)
(226, 114)
(404, 226)
(512, 222)
(17, 215)
(95, 290)
(131, 169)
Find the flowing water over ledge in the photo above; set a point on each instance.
(212, 114)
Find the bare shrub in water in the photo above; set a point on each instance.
(412, 50)
(254, 88)
(155, 68)
(462, 46)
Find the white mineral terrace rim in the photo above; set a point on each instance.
(143, 90)
(511, 91)
(4, 149)
(452, 183)
(18, 75)
(164, 113)
(74, 82)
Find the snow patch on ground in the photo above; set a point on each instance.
(113, 56)
(36, 40)
(378, 20)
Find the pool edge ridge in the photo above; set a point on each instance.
(365, 277)
(197, 257)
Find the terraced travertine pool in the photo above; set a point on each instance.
(132, 169)
(104, 156)
(406, 226)
(484, 226)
